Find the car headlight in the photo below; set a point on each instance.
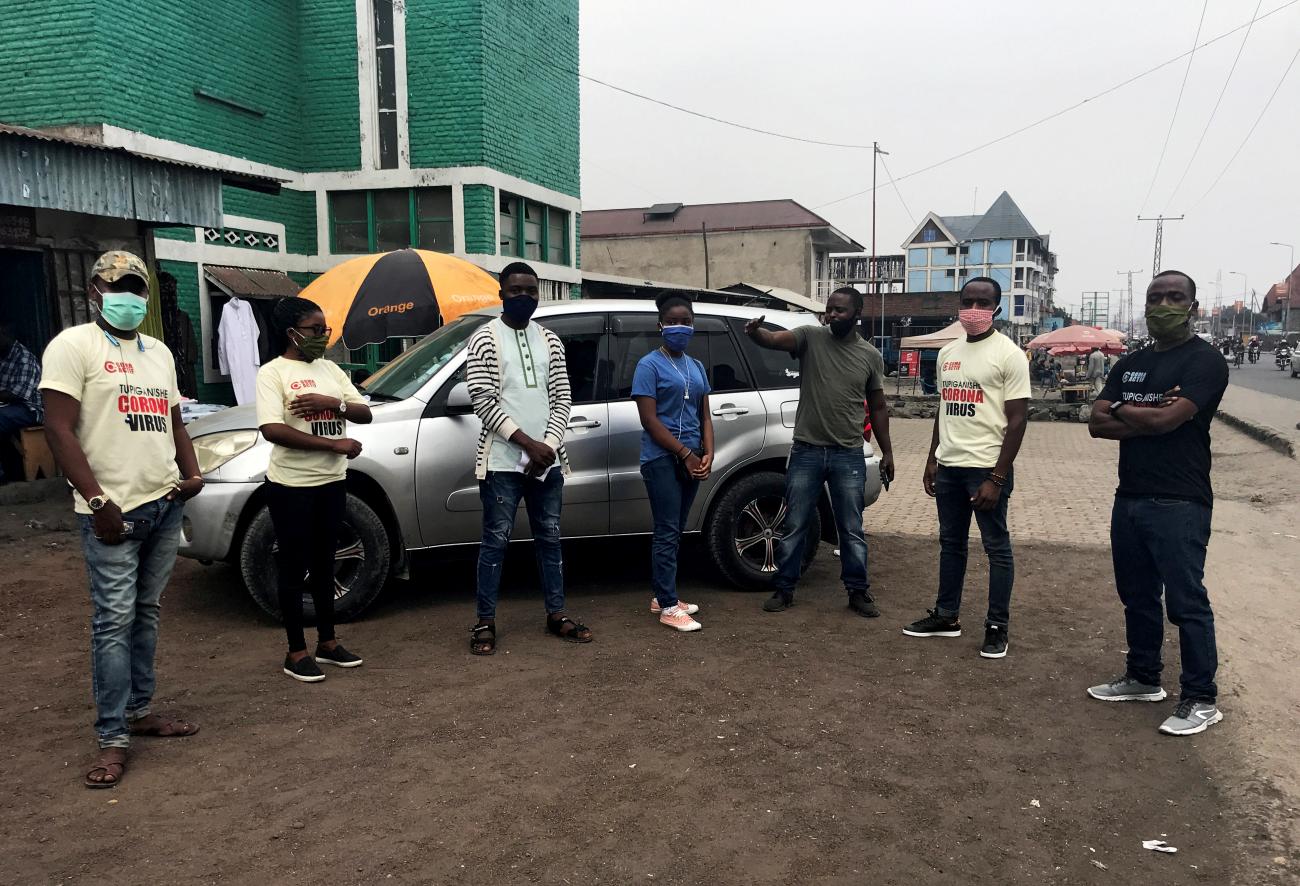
(214, 450)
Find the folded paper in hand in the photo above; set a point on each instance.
(522, 467)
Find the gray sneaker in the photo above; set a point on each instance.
(1125, 688)
(1191, 717)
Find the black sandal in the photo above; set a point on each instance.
(488, 643)
(556, 627)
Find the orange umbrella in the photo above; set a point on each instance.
(403, 294)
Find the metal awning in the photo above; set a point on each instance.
(251, 282)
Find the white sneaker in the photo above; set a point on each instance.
(655, 608)
(679, 619)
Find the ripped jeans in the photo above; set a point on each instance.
(500, 494)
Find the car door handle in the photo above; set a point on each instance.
(581, 423)
(730, 409)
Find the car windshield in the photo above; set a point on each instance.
(409, 372)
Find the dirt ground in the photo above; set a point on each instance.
(812, 746)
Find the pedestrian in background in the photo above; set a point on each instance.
(1096, 371)
(519, 385)
(304, 403)
(20, 398)
(1159, 404)
(983, 409)
(113, 422)
(839, 372)
(671, 392)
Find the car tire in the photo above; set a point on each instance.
(747, 510)
(361, 570)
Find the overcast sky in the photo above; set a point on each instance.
(929, 81)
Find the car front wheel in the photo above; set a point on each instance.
(361, 562)
(747, 522)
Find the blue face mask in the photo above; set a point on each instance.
(123, 310)
(677, 337)
(519, 309)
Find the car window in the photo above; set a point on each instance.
(772, 369)
(584, 351)
(635, 335)
(415, 366)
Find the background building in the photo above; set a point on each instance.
(326, 129)
(771, 243)
(943, 252)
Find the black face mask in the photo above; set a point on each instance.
(841, 328)
(519, 308)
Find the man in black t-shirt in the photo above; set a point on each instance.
(1159, 402)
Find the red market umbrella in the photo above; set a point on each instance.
(1077, 340)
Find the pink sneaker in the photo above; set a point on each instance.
(690, 608)
(679, 619)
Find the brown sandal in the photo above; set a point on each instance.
(109, 759)
(160, 726)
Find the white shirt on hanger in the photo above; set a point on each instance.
(237, 349)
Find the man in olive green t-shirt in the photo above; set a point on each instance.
(841, 379)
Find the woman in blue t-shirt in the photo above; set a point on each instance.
(672, 397)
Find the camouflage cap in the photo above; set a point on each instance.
(116, 264)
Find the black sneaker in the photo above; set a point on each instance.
(861, 603)
(995, 642)
(934, 625)
(338, 656)
(304, 670)
(778, 602)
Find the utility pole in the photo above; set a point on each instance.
(1128, 303)
(1160, 236)
(874, 285)
(1236, 313)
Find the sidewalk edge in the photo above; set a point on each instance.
(1269, 436)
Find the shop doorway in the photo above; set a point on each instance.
(23, 297)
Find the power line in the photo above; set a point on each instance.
(894, 182)
(1253, 127)
(1219, 101)
(1066, 110)
(1177, 104)
(724, 122)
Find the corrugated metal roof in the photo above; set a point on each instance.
(747, 216)
(64, 137)
(1004, 220)
(252, 282)
(55, 174)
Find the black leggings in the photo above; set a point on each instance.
(306, 521)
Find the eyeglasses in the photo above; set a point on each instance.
(315, 330)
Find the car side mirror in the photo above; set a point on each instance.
(458, 402)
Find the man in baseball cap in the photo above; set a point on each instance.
(113, 422)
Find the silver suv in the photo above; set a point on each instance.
(413, 486)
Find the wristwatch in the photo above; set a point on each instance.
(343, 406)
(97, 503)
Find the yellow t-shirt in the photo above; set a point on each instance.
(127, 390)
(279, 383)
(975, 382)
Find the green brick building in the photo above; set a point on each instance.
(335, 128)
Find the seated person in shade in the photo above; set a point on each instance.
(20, 401)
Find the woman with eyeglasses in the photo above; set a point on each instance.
(304, 403)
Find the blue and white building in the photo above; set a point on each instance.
(944, 251)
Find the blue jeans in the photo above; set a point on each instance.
(843, 471)
(500, 494)
(671, 498)
(126, 585)
(1159, 544)
(953, 488)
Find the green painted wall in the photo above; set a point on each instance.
(495, 84)
(480, 219)
(296, 210)
(265, 65)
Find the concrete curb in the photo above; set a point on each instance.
(1270, 437)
